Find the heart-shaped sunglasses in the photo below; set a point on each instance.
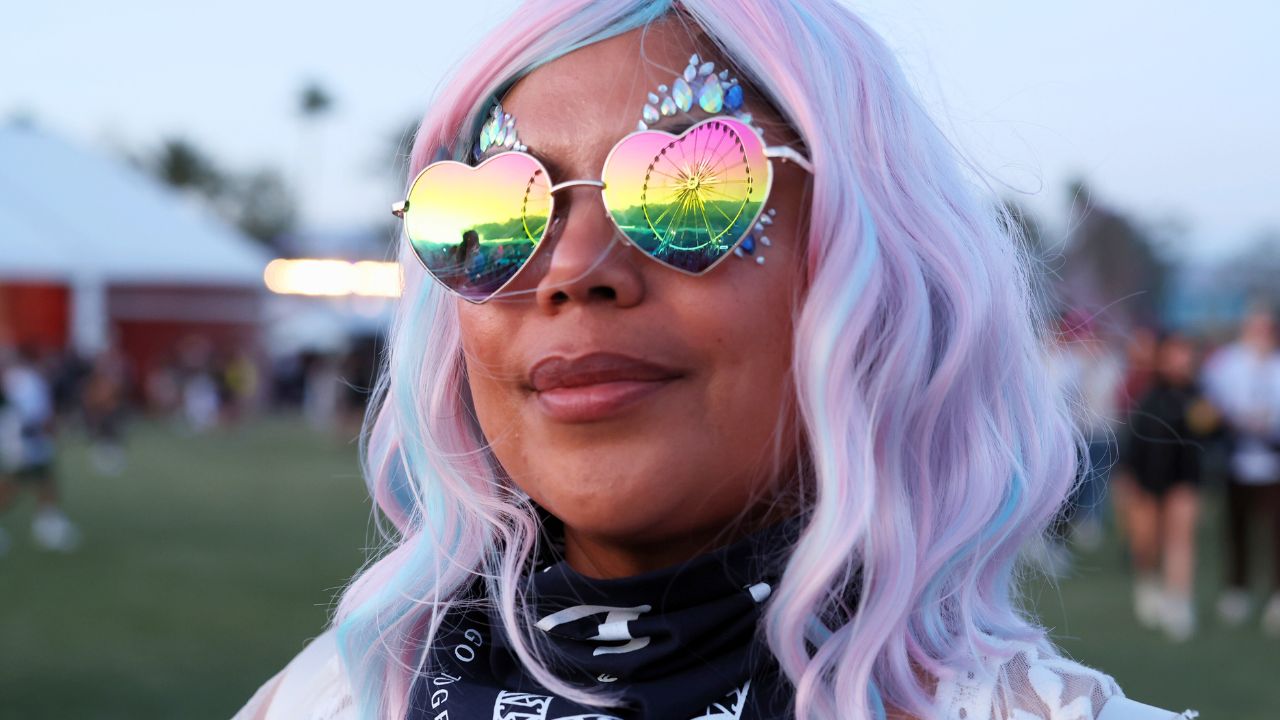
(686, 201)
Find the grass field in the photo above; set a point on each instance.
(208, 563)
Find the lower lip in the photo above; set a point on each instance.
(589, 403)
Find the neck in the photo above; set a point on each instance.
(604, 557)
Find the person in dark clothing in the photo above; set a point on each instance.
(1167, 429)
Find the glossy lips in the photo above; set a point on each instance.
(687, 200)
(594, 386)
(474, 228)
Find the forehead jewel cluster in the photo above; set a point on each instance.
(698, 86)
(498, 131)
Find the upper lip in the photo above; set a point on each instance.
(601, 367)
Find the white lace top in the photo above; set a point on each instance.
(1024, 683)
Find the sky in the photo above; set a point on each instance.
(1168, 109)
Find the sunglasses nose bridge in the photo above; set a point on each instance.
(576, 183)
(619, 234)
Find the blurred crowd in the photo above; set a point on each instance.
(1168, 416)
(198, 388)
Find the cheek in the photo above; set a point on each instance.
(486, 343)
(751, 390)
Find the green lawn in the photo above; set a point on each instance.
(203, 569)
(209, 562)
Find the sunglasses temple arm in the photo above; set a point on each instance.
(790, 155)
(398, 209)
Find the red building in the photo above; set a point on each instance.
(93, 251)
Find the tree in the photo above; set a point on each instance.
(314, 101)
(264, 207)
(259, 202)
(1255, 270)
(180, 164)
(1110, 264)
(1028, 231)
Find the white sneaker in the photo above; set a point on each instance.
(1234, 606)
(1271, 616)
(1178, 618)
(52, 530)
(1148, 602)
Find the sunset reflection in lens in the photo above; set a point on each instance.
(474, 227)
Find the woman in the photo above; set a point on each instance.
(1168, 428)
(1243, 380)
(756, 432)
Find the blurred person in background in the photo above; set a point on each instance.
(1167, 429)
(1243, 380)
(10, 446)
(1094, 375)
(1138, 373)
(103, 404)
(239, 375)
(29, 398)
(200, 384)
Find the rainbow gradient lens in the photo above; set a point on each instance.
(687, 200)
(475, 227)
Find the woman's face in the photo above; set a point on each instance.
(645, 408)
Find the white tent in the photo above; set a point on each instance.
(88, 221)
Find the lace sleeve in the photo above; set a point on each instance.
(1028, 684)
(1034, 685)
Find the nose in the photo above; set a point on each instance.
(588, 262)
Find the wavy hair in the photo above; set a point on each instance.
(936, 446)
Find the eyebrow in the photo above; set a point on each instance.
(674, 124)
(671, 124)
(553, 168)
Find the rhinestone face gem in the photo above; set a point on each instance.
(733, 98)
(682, 94)
(703, 86)
(711, 97)
(499, 131)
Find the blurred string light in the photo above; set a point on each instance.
(333, 278)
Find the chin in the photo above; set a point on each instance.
(636, 502)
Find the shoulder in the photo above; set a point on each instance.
(313, 686)
(1023, 681)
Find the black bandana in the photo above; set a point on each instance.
(680, 643)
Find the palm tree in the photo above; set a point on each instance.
(314, 104)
